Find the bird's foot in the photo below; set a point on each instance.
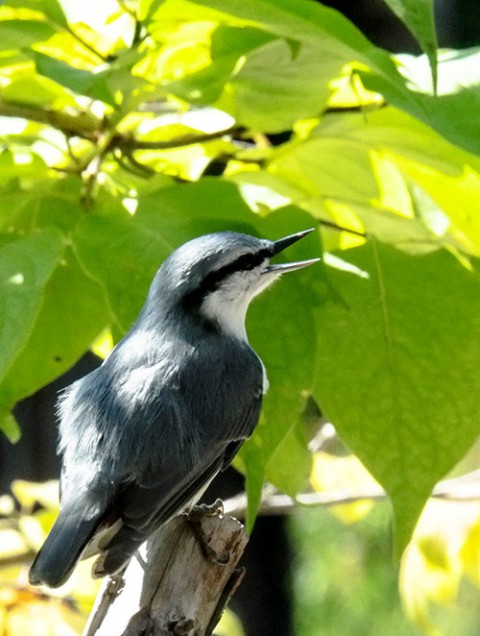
(207, 510)
(195, 517)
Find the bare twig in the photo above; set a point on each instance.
(465, 488)
(130, 143)
(81, 124)
(141, 169)
(341, 228)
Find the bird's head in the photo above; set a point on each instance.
(217, 275)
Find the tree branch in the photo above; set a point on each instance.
(89, 127)
(464, 488)
(82, 124)
(129, 144)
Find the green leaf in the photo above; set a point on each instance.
(290, 464)
(394, 131)
(271, 85)
(399, 353)
(26, 265)
(418, 17)
(50, 8)
(73, 312)
(76, 79)
(369, 169)
(36, 91)
(21, 34)
(328, 166)
(39, 204)
(272, 101)
(9, 426)
(254, 470)
(458, 91)
(229, 45)
(117, 251)
(14, 168)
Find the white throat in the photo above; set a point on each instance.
(228, 312)
(227, 305)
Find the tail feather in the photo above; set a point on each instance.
(64, 545)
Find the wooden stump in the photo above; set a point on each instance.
(179, 583)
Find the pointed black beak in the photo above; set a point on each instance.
(282, 244)
(286, 241)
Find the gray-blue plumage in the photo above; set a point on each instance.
(143, 435)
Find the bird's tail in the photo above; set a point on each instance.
(64, 545)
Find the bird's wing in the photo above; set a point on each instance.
(158, 492)
(143, 509)
(224, 388)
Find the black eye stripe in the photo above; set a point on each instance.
(247, 262)
(213, 280)
(242, 263)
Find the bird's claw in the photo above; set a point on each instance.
(207, 510)
(194, 518)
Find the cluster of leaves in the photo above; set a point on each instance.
(117, 117)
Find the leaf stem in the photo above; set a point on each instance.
(86, 44)
(130, 143)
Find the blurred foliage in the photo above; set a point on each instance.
(116, 117)
(345, 578)
(25, 519)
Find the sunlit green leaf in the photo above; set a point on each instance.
(19, 34)
(354, 166)
(399, 351)
(311, 41)
(329, 166)
(37, 91)
(458, 91)
(50, 8)
(76, 79)
(392, 130)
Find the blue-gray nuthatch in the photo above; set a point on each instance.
(143, 435)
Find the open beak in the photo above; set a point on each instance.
(282, 244)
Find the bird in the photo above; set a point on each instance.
(142, 436)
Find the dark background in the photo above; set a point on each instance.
(264, 601)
